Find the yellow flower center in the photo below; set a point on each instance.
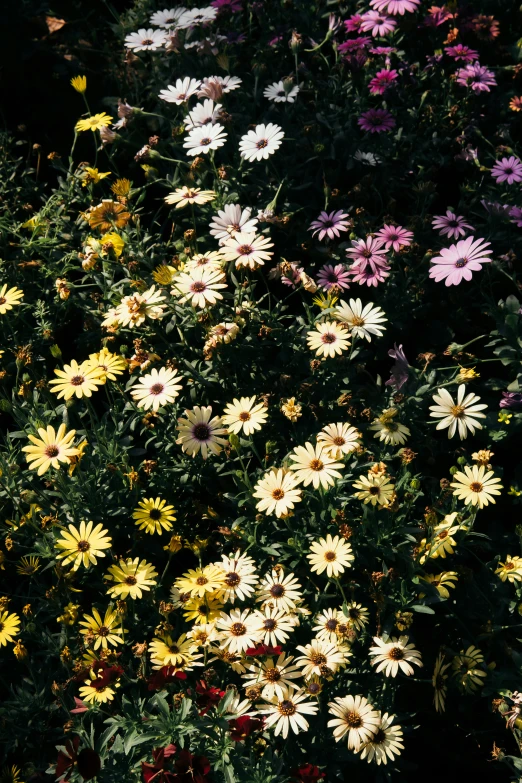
(318, 659)
(476, 486)
(317, 465)
(272, 675)
(287, 708)
(353, 720)
(238, 629)
(330, 556)
(278, 494)
(457, 410)
(396, 654)
(357, 320)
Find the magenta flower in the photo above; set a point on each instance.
(516, 213)
(507, 170)
(333, 277)
(476, 76)
(395, 7)
(228, 5)
(369, 276)
(367, 252)
(376, 120)
(461, 52)
(381, 81)
(377, 24)
(330, 224)
(451, 225)
(354, 44)
(395, 237)
(387, 50)
(458, 262)
(353, 24)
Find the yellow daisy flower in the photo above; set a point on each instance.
(112, 241)
(82, 546)
(9, 627)
(50, 448)
(178, 653)
(441, 542)
(28, 565)
(202, 610)
(104, 633)
(94, 122)
(79, 83)
(510, 570)
(96, 693)
(200, 581)
(313, 465)
(121, 188)
(78, 380)
(438, 681)
(153, 515)
(130, 578)
(108, 215)
(111, 364)
(92, 176)
(443, 582)
(9, 298)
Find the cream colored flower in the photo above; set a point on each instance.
(312, 465)
(328, 339)
(462, 414)
(332, 555)
(338, 439)
(354, 718)
(391, 655)
(475, 486)
(244, 414)
(278, 492)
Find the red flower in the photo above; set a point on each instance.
(207, 696)
(308, 773)
(264, 649)
(87, 761)
(191, 769)
(243, 727)
(167, 674)
(156, 772)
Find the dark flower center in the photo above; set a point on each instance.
(277, 591)
(155, 514)
(332, 624)
(278, 494)
(198, 287)
(244, 250)
(201, 580)
(330, 556)
(52, 451)
(205, 142)
(83, 546)
(287, 708)
(396, 654)
(460, 262)
(272, 675)
(77, 380)
(201, 432)
(157, 388)
(316, 465)
(339, 441)
(269, 624)
(261, 144)
(318, 659)
(3, 300)
(131, 580)
(244, 416)
(353, 720)
(232, 579)
(374, 490)
(238, 629)
(475, 486)
(103, 630)
(314, 688)
(147, 42)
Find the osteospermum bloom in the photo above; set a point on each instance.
(462, 414)
(240, 577)
(131, 577)
(153, 515)
(198, 432)
(247, 250)
(328, 339)
(377, 490)
(338, 439)
(158, 388)
(167, 18)
(9, 298)
(377, 24)
(273, 676)
(395, 7)
(285, 712)
(507, 170)
(94, 122)
(83, 545)
(362, 321)
(388, 430)
(201, 286)
(78, 380)
(385, 744)
(321, 658)
(203, 610)
(195, 16)
(201, 140)
(279, 591)
(327, 624)
(451, 225)
(9, 627)
(475, 486)
(391, 655)
(133, 310)
(273, 625)
(202, 114)
(332, 278)
(442, 582)
(312, 465)
(368, 252)
(185, 195)
(376, 121)
(438, 681)
(261, 142)
(332, 555)
(395, 237)
(172, 652)
(103, 633)
(237, 630)
(354, 718)
(441, 540)
(281, 92)
(278, 493)
(95, 691)
(199, 582)
(232, 220)
(245, 415)
(382, 80)
(203, 635)
(458, 262)
(510, 570)
(476, 76)
(145, 40)
(50, 448)
(461, 52)
(356, 615)
(330, 224)
(111, 364)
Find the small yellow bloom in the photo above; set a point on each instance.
(504, 417)
(75, 459)
(112, 241)
(28, 565)
(164, 274)
(515, 104)
(91, 176)
(482, 457)
(121, 187)
(20, 650)
(442, 581)
(291, 409)
(466, 374)
(94, 122)
(325, 301)
(175, 544)
(511, 570)
(79, 83)
(154, 515)
(9, 298)
(70, 614)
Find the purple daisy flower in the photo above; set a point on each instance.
(507, 170)
(353, 24)
(400, 370)
(368, 252)
(381, 81)
(511, 400)
(458, 262)
(333, 277)
(451, 225)
(377, 24)
(376, 120)
(461, 52)
(395, 7)
(354, 44)
(476, 76)
(516, 213)
(395, 237)
(330, 224)
(369, 276)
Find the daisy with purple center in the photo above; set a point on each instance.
(330, 224)
(369, 276)
(507, 170)
(336, 277)
(461, 52)
(377, 24)
(376, 121)
(368, 252)
(381, 81)
(395, 237)
(395, 7)
(451, 225)
(476, 76)
(458, 262)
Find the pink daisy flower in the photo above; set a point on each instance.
(333, 277)
(461, 52)
(395, 237)
(451, 225)
(458, 262)
(507, 170)
(377, 24)
(368, 276)
(381, 81)
(330, 224)
(476, 76)
(387, 50)
(353, 24)
(395, 7)
(376, 120)
(367, 252)
(354, 44)
(516, 214)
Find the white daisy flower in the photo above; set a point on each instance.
(181, 91)
(201, 140)
(273, 625)
(386, 742)
(279, 92)
(258, 144)
(157, 388)
(273, 676)
(355, 718)
(240, 577)
(287, 713)
(232, 220)
(278, 492)
(362, 321)
(247, 250)
(198, 432)
(391, 655)
(197, 16)
(279, 591)
(338, 439)
(203, 114)
(237, 630)
(462, 414)
(322, 658)
(145, 40)
(167, 18)
(226, 83)
(200, 286)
